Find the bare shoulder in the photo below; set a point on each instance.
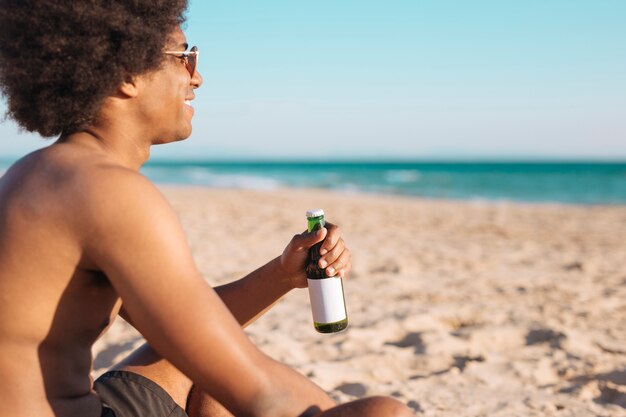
(101, 196)
(118, 211)
(112, 196)
(89, 198)
(123, 212)
(78, 182)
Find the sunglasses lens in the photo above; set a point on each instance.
(192, 61)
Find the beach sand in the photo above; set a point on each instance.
(455, 308)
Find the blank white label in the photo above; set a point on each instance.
(327, 301)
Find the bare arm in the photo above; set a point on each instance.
(251, 296)
(135, 238)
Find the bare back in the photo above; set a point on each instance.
(54, 304)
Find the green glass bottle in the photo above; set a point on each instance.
(328, 303)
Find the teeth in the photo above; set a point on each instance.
(188, 102)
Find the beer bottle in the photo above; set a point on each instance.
(328, 303)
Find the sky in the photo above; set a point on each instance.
(401, 79)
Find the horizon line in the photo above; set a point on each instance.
(379, 160)
(477, 160)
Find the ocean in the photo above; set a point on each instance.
(537, 182)
(550, 182)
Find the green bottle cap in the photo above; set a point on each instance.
(314, 213)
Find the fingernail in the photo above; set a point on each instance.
(323, 263)
(331, 271)
(323, 251)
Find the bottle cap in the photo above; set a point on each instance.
(314, 213)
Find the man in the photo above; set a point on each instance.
(85, 237)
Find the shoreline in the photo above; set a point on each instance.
(385, 196)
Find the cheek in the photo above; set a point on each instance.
(166, 98)
(166, 101)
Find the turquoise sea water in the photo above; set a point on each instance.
(578, 183)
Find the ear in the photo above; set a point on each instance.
(129, 87)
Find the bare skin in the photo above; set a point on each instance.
(84, 237)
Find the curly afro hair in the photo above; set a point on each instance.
(59, 59)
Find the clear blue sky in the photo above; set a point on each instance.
(416, 79)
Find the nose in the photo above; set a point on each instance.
(196, 80)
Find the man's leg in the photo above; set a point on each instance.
(202, 405)
(146, 362)
(369, 407)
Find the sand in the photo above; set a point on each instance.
(455, 308)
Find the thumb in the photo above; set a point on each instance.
(305, 240)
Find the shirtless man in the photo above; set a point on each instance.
(85, 237)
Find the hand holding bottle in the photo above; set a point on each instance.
(335, 256)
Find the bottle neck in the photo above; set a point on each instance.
(315, 223)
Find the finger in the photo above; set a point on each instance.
(343, 272)
(305, 240)
(342, 261)
(332, 254)
(333, 236)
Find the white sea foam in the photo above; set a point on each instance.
(348, 188)
(245, 181)
(402, 175)
(206, 177)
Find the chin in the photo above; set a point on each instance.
(175, 137)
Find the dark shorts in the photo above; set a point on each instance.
(126, 394)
